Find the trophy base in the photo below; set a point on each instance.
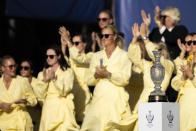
(158, 98)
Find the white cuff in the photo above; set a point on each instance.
(162, 29)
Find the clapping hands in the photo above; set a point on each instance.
(49, 74)
(101, 72)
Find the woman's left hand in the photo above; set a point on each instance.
(21, 101)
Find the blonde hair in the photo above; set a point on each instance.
(111, 27)
(119, 41)
(164, 51)
(172, 12)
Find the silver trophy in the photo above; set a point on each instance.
(157, 73)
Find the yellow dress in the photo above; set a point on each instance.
(136, 84)
(80, 58)
(39, 89)
(35, 112)
(144, 66)
(186, 97)
(58, 107)
(80, 65)
(109, 108)
(18, 119)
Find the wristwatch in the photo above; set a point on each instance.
(144, 37)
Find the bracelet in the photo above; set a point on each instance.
(144, 37)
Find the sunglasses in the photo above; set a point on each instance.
(10, 66)
(102, 19)
(76, 43)
(50, 56)
(190, 42)
(163, 16)
(105, 35)
(26, 68)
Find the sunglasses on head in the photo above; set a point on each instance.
(76, 43)
(24, 68)
(105, 35)
(190, 42)
(50, 56)
(102, 19)
(11, 66)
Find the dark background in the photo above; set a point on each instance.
(28, 27)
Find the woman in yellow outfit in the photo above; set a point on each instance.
(26, 70)
(110, 70)
(81, 91)
(58, 107)
(185, 83)
(140, 53)
(79, 60)
(15, 94)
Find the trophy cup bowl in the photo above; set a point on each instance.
(157, 73)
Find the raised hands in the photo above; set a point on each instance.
(135, 30)
(96, 40)
(187, 72)
(65, 36)
(48, 74)
(181, 45)
(157, 16)
(146, 18)
(101, 72)
(144, 30)
(182, 48)
(139, 31)
(64, 32)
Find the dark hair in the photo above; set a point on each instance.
(28, 61)
(192, 34)
(81, 35)
(84, 38)
(107, 12)
(62, 62)
(144, 53)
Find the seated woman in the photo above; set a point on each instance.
(26, 70)
(110, 70)
(15, 95)
(140, 53)
(185, 83)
